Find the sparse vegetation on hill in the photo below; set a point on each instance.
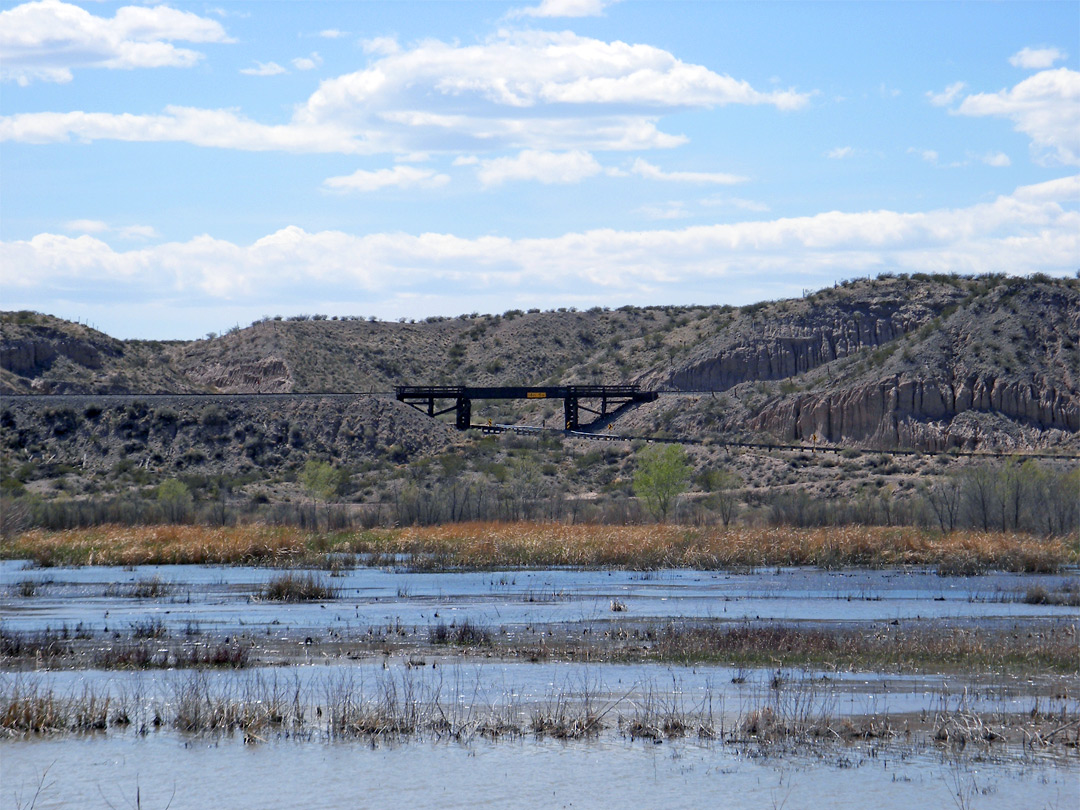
(933, 363)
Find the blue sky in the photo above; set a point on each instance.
(174, 169)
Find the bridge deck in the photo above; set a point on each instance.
(423, 397)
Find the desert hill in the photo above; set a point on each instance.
(923, 362)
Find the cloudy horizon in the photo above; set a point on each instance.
(174, 170)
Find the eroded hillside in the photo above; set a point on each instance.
(923, 362)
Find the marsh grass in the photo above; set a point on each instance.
(26, 588)
(294, 587)
(144, 588)
(400, 706)
(1068, 594)
(1046, 648)
(508, 545)
(466, 634)
(144, 655)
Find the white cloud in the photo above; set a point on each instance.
(948, 95)
(380, 46)
(264, 69)
(397, 177)
(333, 33)
(1034, 229)
(86, 226)
(669, 210)
(564, 8)
(929, 155)
(307, 62)
(1036, 58)
(840, 152)
(47, 40)
(519, 90)
(1064, 189)
(1044, 106)
(137, 232)
(124, 231)
(544, 167)
(996, 159)
(213, 128)
(735, 202)
(650, 172)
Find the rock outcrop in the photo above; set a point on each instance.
(269, 376)
(907, 411)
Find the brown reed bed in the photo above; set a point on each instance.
(294, 587)
(508, 545)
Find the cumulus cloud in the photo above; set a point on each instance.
(264, 69)
(650, 172)
(1063, 189)
(544, 167)
(1036, 228)
(948, 95)
(47, 40)
(519, 90)
(996, 159)
(307, 62)
(333, 33)
(564, 8)
(225, 129)
(1044, 106)
(840, 152)
(397, 177)
(1036, 58)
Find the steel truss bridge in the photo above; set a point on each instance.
(605, 400)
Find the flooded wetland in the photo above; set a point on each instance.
(798, 686)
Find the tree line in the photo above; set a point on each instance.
(1027, 496)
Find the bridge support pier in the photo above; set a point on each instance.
(464, 413)
(570, 411)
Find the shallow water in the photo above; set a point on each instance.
(169, 770)
(109, 770)
(621, 687)
(224, 599)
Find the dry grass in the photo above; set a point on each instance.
(1046, 649)
(158, 545)
(494, 545)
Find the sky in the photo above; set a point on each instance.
(168, 170)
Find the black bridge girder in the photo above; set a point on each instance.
(423, 397)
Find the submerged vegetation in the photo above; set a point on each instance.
(297, 588)
(489, 545)
(261, 706)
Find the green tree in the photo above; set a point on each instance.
(175, 499)
(323, 481)
(661, 477)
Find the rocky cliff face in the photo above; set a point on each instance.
(1011, 352)
(902, 411)
(776, 355)
(795, 337)
(30, 356)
